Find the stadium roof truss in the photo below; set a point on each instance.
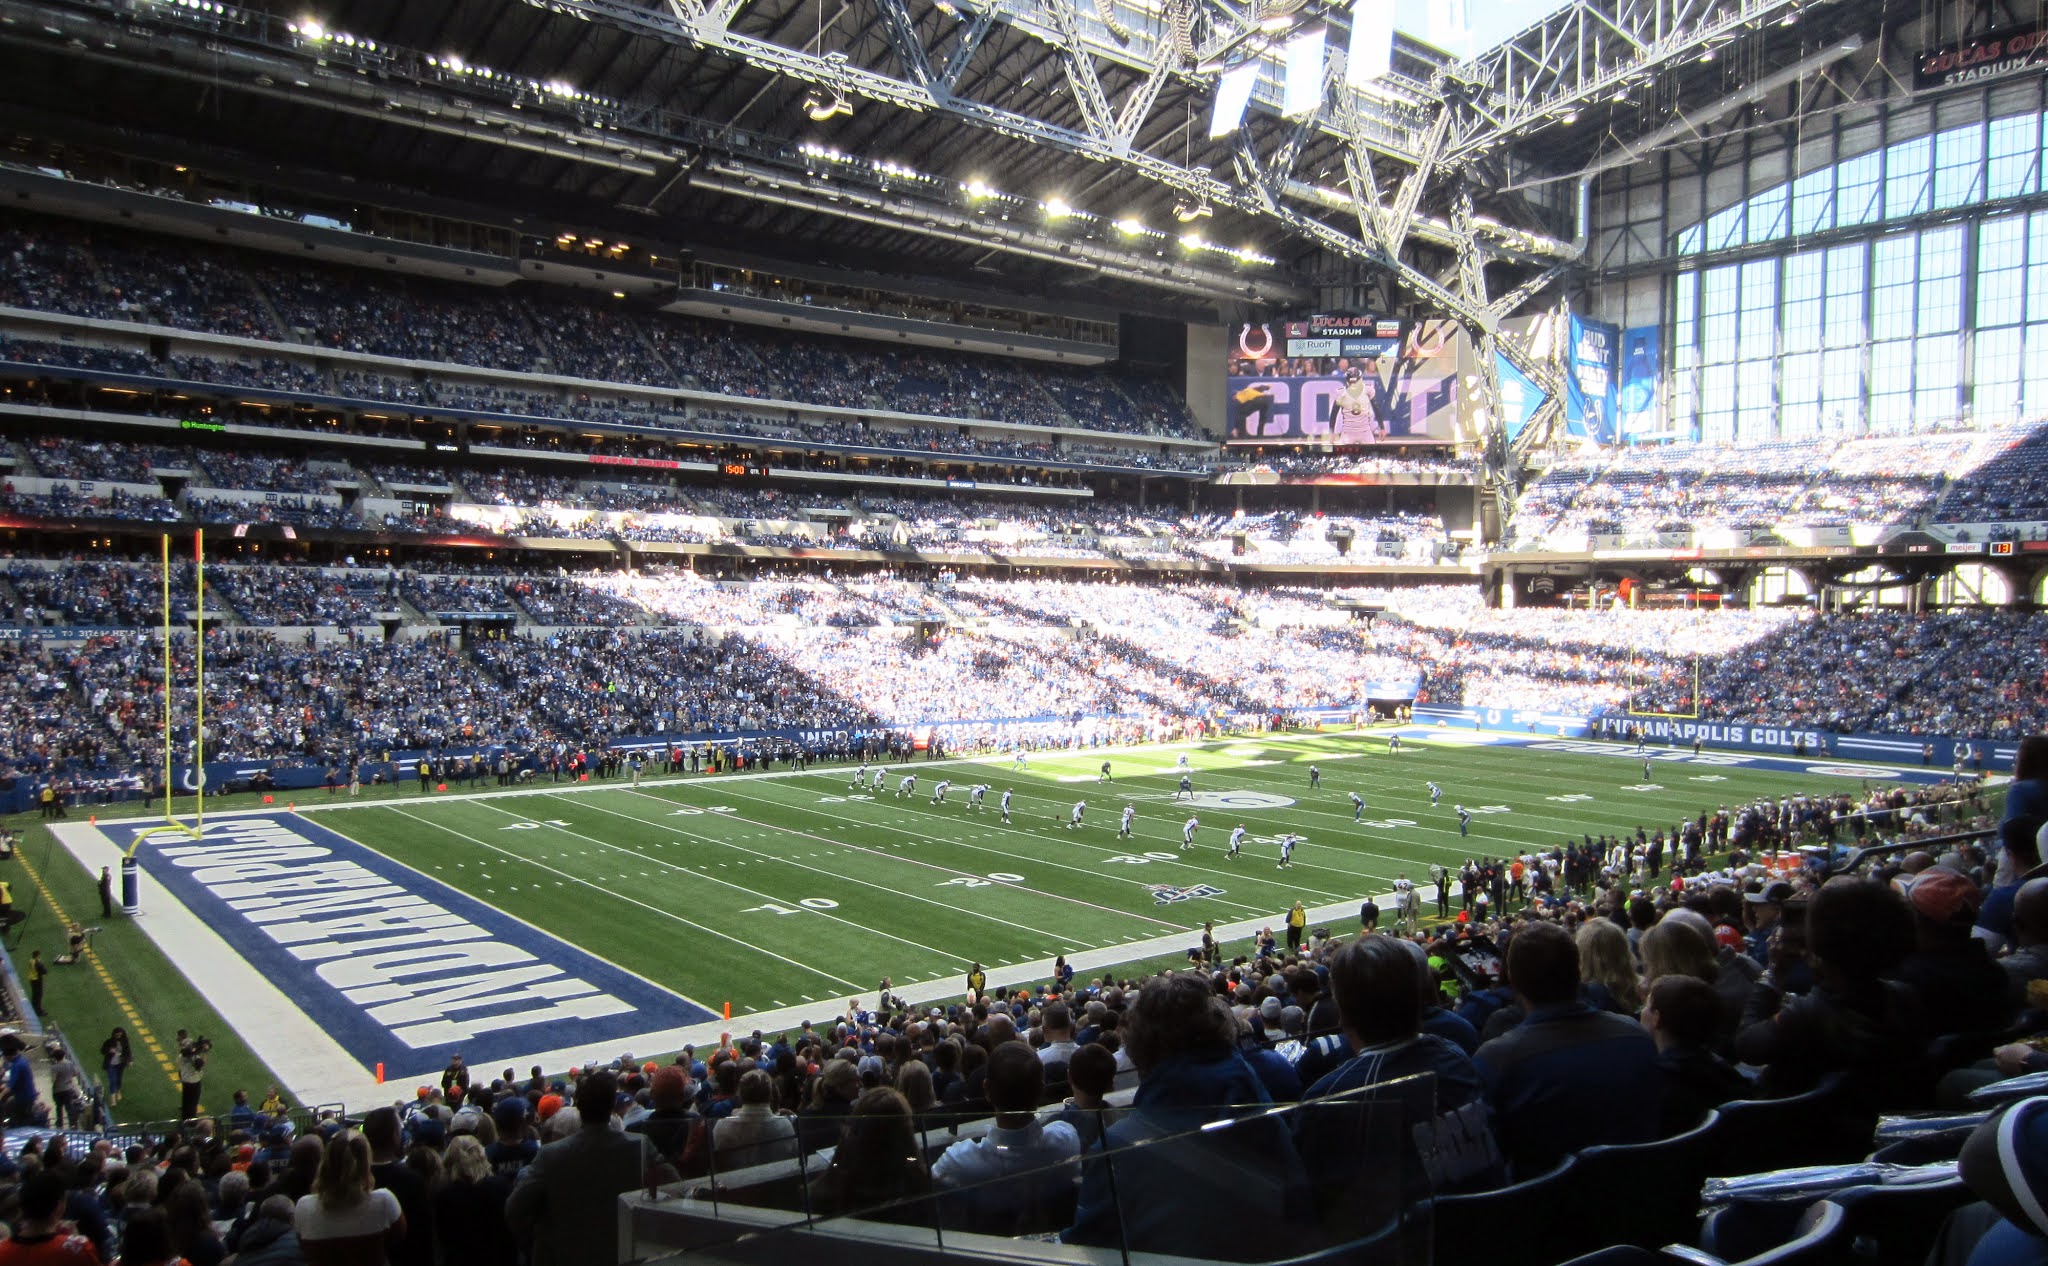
(1414, 172)
(1412, 145)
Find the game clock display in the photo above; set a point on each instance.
(743, 470)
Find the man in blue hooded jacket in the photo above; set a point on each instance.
(1185, 1192)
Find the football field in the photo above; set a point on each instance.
(770, 892)
(557, 922)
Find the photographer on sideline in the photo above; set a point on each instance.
(191, 1069)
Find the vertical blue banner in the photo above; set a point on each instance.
(1590, 387)
(1637, 401)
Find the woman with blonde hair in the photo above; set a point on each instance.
(1605, 962)
(1673, 947)
(469, 1209)
(346, 1220)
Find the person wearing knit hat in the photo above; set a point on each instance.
(1961, 988)
(668, 1126)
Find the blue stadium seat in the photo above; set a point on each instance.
(1662, 1181)
(1820, 1237)
(1816, 1128)
(1519, 1225)
(1885, 1225)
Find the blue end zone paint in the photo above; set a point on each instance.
(398, 968)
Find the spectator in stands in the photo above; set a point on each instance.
(879, 1159)
(563, 1207)
(189, 1218)
(1554, 1080)
(351, 1219)
(41, 1233)
(271, 1239)
(2021, 852)
(1020, 1166)
(469, 1209)
(298, 1174)
(1091, 1073)
(1187, 1191)
(1379, 983)
(753, 1133)
(1607, 965)
(2029, 961)
(668, 1126)
(1056, 1024)
(1683, 943)
(386, 1136)
(1961, 989)
(2004, 1161)
(2026, 796)
(832, 1094)
(1683, 1015)
(1853, 1020)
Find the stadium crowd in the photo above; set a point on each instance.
(122, 275)
(1070, 661)
(1939, 476)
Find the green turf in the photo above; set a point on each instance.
(678, 880)
(770, 892)
(154, 998)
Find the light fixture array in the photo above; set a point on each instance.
(983, 197)
(452, 67)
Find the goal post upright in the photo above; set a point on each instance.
(172, 825)
(170, 783)
(199, 682)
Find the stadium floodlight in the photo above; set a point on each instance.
(1056, 208)
(1301, 88)
(977, 189)
(1192, 240)
(1130, 226)
(823, 109)
(1372, 42)
(1233, 94)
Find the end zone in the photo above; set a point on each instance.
(329, 958)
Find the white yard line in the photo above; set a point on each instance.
(315, 1068)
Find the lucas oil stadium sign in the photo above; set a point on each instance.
(397, 968)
